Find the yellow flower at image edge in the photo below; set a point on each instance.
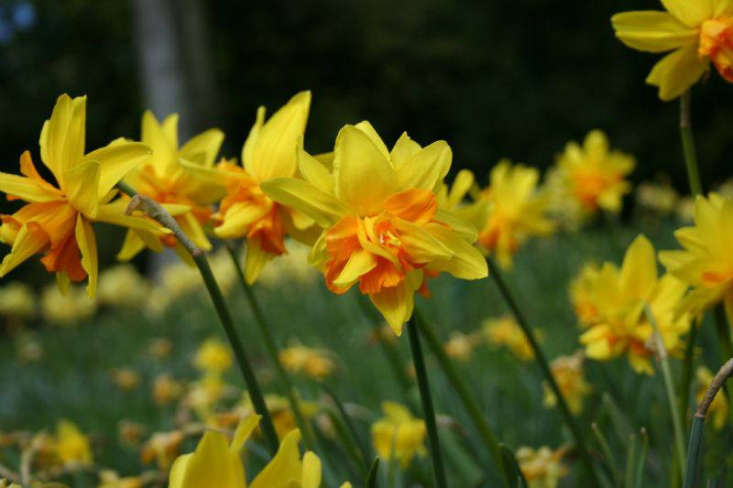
(216, 464)
(706, 262)
(696, 31)
(542, 467)
(72, 447)
(213, 356)
(57, 221)
(398, 434)
(246, 211)
(383, 228)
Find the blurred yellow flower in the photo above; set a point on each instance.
(505, 331)
(57, 221)
(588, 178)
(515, 211)
(719, 407)
(398, 434)
(279, 408)
(460, 346)
(204, 394)
(122, 286)
(582, 295)
(166, 389)
(620, 294)
(176, 280)
(130, 433)
(66, 309)
(246, 211)
(71, 446)
(315, 363)
(383, 229)
(697, 32)
(706, 262)
(213, 356)
(17, 300)
(126, 378)
(543, 467)
(162, 448)
(183, 180)
(569, 375)
(657, 197)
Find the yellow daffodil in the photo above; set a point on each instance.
(315, 363)
(213, 356)
(568, 373)
(279, 408)
(516, 211)
(505, 331)
(460, 345)
(582, 295)
(619, 296)
(17, 300)
(183, 180)
(217, 463)
(706, 263)
(588, 178)
(719, 407)
(398, 434)
(696, 31)
(71, 446)
(67, 309)
(57, 221)
(166, 389)
(122, 286)
(162, 448)
(246, 211)
(543, 467)
(382, 225)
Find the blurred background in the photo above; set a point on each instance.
(495, 79)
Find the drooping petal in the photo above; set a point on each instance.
(31, 239)
(364, 177)
(82, 184)
(116, 160)
(426, 168)
(285, 468)
(203, 148)
(87, 243)
(652, 31)
(677, 72)
(255, 261)
(690, 13)
(396, 305)
(273, 154)
(303, 196)
(639, 269)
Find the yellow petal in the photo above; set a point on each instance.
(116, 160)
(164, 158)
(461, 226)
(368, 129)
(639, 269)
(284, 468)
(395, 304)
(30, 240)
(131, 246)
(420, 244)
(62, 139)
(238, 218)
(248, 149)
(304, 197)
(201, 184)
(677, 72)
(461, 185)
(359, 263)
(203, 148)
(170, 129)
(26, 189)
(244, 430)
(87, 243)
(212, 464)
(82, 183)
(255, 261)
(315, 172)
(403, 150)
(466, 262)
(311, 471)
(427, 168)
(274, 152)
(652, 31)
(690, 12)
(364, 177)
(722, 7)
(193, 230)
(114, 213)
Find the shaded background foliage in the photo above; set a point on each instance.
(496, 79)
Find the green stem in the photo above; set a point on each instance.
(469, 403)
(305, 427)
(545, 367)
(687, 367)
(698, 423)
(155, 211)
(723, 329)
(427, 403)
(669, 387)
(688, 145)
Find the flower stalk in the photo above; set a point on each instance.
(427, 402)
(545, 367)
(688, 144)
(158, 213)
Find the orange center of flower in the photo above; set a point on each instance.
(716, 43)
(381, 240)
(499, 226)
(588, 186)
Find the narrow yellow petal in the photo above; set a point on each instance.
(170, 129)
(285, 468)
(164, 157)
(315, 172)
(359, 263)
(255, 260)
(466, 262)
(203, 148)
(364, 177)
(244, 430)
(26, 189)
(238, 218)
(322, 207)
(114, 213)
(31, 239)
(192, 228)
(461, 185)
(677, 72)
(248, 149)
(82, 183)
(639, 269)
(426, 168)
(87, 243)
(116, 160)
(311, 471)
(131, 246)
(212, 464)
(367, 128)
(652, 31)
(403, 150)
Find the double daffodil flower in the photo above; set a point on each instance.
(57, 221)
(382, 225)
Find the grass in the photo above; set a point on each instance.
(73, 379)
